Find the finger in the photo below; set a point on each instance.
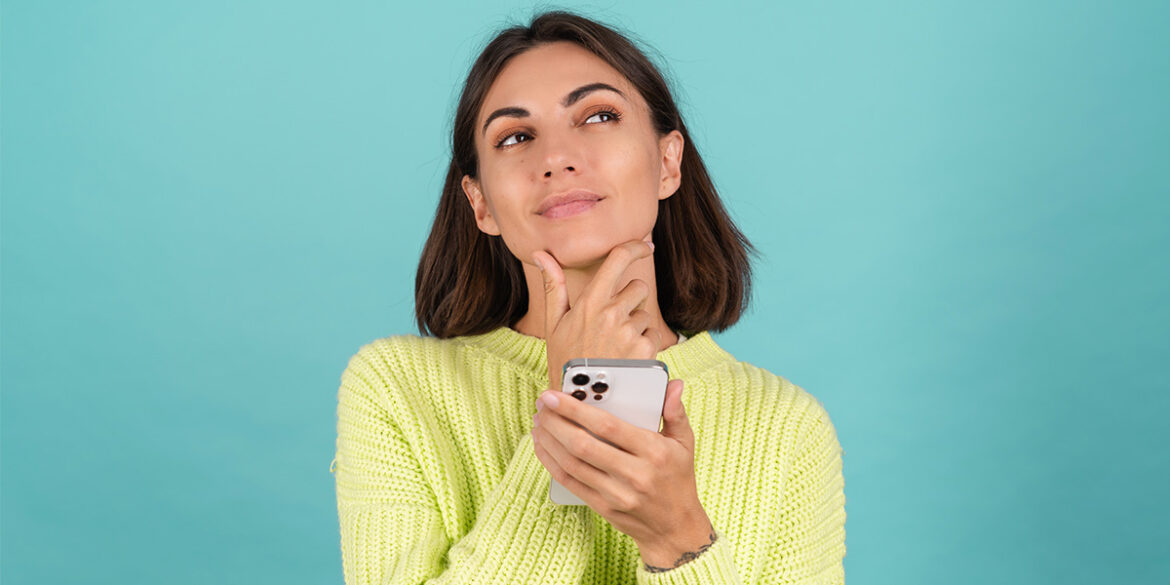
(578, 439)
(655, 338)
(639, 322)
(596, 500)
(675, 423)
(633, 296)
(642, 341)
(617, 444)
(574, 485)
(579, 468)
(591, 484)
(556, 297)
(605, 282)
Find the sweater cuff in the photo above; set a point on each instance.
(716, 566)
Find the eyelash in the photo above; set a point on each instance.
(616, 115)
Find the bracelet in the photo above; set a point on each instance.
(686, 558)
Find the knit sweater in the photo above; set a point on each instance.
(437, 480)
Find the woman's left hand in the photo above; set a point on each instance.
(643, 484)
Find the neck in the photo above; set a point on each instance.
(576, 279)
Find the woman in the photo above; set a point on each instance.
(577, 220)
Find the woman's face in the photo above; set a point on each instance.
(551, 130)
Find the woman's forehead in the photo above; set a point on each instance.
(544, 77)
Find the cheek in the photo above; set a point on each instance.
(500, 194)
(635, 174)
(508, 215)
(634, 165)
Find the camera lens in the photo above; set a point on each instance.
(581, 379)
(579, 394)
(600, 387)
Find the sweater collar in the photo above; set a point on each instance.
(683, 360)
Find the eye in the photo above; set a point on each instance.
(614, 115)
(504, 141)
(507, 141)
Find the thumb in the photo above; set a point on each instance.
(674, 417)
(556, 298)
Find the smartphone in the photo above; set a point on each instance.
(632, 390)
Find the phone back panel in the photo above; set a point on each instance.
(632, 390)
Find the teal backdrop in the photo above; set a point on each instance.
(962, 209)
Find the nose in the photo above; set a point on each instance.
(549, 173)
(560, 156)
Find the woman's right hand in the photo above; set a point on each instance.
(604, 322)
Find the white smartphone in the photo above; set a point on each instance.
(632, 390)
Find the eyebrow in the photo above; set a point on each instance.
(570, 99)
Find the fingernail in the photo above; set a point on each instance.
(550, 398)
(538, 264)
(651, 245)
(535, 422)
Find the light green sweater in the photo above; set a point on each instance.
(437, 480)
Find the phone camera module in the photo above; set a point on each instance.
(579, 394)
(600, 387)
(580, 379)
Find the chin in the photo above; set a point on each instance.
(586, 251)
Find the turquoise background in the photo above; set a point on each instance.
(209, 206)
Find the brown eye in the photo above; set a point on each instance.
(501, 144)
(613, 115)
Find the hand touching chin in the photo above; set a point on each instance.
(586, 251)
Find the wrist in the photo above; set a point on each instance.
(678, 548)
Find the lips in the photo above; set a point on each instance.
(575, 198)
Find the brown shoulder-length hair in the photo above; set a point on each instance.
(469, 282)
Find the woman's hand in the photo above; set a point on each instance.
(643, 484)
(604, 322)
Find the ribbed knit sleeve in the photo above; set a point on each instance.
(803, 536)
(715, 566)
(810, 547)
(392, 526)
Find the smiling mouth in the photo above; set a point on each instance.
(570, 208)
(568, 203)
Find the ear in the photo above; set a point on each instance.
(671, 149)
(479, 205)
